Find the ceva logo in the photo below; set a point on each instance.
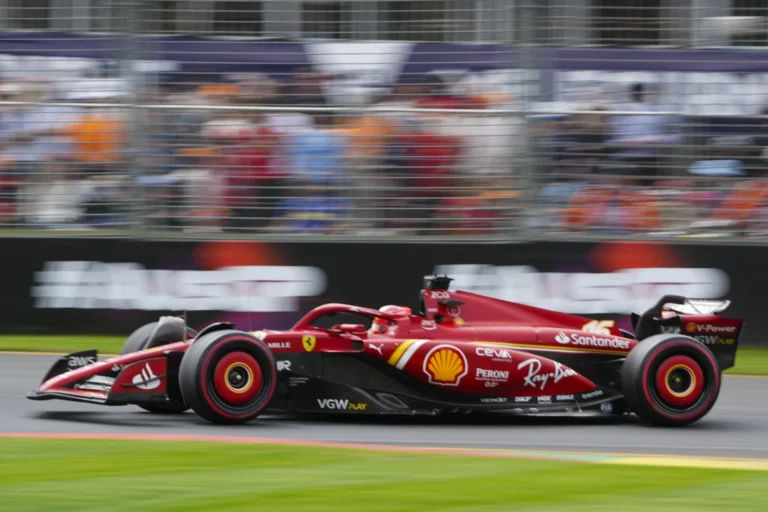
(562, 339)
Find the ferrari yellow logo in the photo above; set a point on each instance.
(309, 343)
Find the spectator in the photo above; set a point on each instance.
(31, 133)
(404, 96)
(31, 139)
(98, 138)
(438, 94)
(317, 153)
(222, 124)
(366, 138)
(252, 181)
(431, 161)
(638, 139)
(204, 205)
(312, 212)
(307, 90)
(473, 208)
(100, 132)
(249, 145)
(57, 199)
(10, 185)
(489, 143)
(285, 127)
(583, 144)
(317, 200)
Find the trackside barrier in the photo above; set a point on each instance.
(110, 286)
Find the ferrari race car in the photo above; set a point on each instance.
(461, 353)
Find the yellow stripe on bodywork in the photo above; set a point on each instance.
(549, 348)
(398, 353)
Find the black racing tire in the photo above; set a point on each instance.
(138, 339)
(670, 380)
(136, 342)
(228, 377)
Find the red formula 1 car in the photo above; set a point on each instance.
(462, 353)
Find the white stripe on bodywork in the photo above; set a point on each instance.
(409, 353)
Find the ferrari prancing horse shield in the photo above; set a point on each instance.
(309, 343)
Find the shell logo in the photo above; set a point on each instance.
(690, 327)
(445, 365)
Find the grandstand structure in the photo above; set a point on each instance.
(472, 119)
(566, 22)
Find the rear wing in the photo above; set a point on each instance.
(697, 318)
(679, 305)
(698, 307)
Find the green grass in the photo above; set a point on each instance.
(749, 360)
(86, 475)
(50, 343)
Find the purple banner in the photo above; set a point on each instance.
(630, 59)
(189, 54)
(427, 57)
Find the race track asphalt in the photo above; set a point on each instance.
(736, 427)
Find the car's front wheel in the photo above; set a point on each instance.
(228, 376)
(669, 379)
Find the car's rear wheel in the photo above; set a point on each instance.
(138, 341)
(670, 380)
(228, 376)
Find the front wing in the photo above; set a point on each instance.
(146, 377)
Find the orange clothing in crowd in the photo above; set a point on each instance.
(367, 135)
(97, 138)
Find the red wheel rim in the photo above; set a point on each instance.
(680, 381)
(237, 378)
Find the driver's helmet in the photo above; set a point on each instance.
(380, 325)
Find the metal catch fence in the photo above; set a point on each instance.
(446, 119)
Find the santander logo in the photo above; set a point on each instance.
(146, 379)
(591, 341)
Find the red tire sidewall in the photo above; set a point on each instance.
(205, 367)
(694, 351)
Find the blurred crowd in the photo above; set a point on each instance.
(203, 158)
(634, 168)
